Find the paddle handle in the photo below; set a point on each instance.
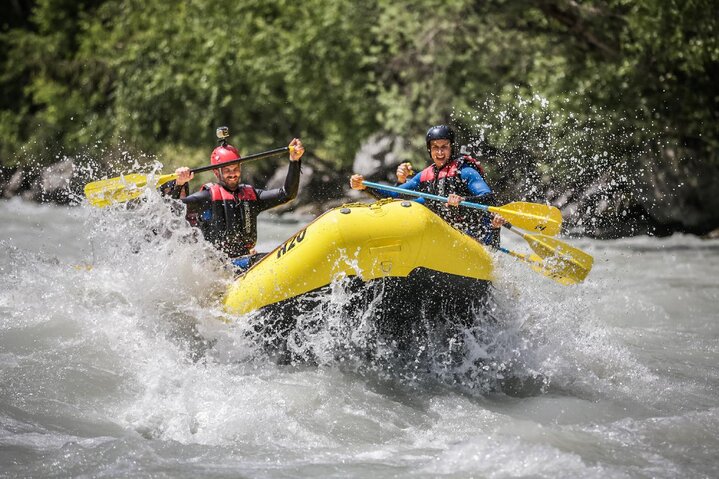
(510, 252)
(255, 156)
(510, 227)
(420, 194)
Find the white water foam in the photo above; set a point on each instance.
(131, 354)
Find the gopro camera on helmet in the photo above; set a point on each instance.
(222, 133)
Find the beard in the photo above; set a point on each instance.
(230, 184)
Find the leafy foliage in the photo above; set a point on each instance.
(153, 74)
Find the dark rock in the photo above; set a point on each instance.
(377, 160)
(324, 186)
(681, 192)
(277, 180)
(15, 185)
(55, 182)
(378, 157)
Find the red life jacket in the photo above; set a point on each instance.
(446, 180)
(219, 193)
(231, 222)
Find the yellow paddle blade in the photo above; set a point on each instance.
(561, 272)
(534, 217)
(561, 259)
(558, 272)
(123, 188)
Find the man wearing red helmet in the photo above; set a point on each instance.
(453, 175)
(227, 211)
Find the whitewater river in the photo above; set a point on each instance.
(116, 360)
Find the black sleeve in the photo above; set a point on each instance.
(173, 191)
(198, 201)
(270, 198)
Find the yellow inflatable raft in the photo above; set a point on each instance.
(395, 242)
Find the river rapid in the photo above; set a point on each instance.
(116, 360)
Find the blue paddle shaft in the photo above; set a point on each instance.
(428, 196)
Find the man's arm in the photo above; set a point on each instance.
(270, 198)
(475, 183)
(180, 189)
(412, 184)
(483, 194)
(198, 201)
(174, 191)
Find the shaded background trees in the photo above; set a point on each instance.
(606, 108)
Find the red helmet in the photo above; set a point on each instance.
(223, 154)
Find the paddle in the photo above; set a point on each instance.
(564, 263)
(535, 262)
(528, 216)
(123, 188)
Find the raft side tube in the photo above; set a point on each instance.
(390, 238)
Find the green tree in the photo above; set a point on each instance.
(556, 93)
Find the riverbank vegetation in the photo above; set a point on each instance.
(610, 105)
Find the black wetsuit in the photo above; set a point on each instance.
(229, 221)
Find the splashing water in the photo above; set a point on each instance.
(597, 168)
(117, 359)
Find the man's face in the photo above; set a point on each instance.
(440, 150)
(230, 176)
